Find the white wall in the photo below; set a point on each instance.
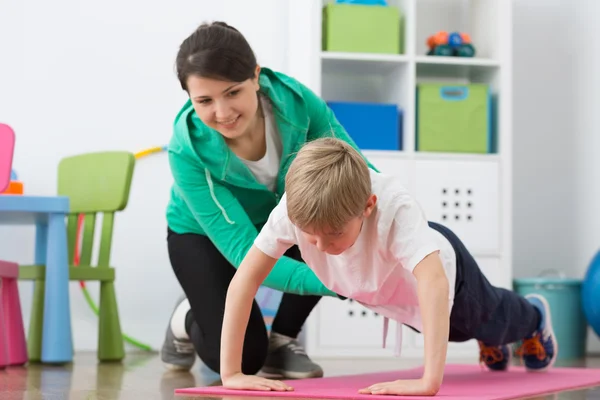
(556, 125)
(86, 76)
(80, 76)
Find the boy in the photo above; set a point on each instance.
(367, 239)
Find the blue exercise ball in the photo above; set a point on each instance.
(590, 294)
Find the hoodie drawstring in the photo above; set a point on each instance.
(214, 197)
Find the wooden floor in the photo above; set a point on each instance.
(142, 376)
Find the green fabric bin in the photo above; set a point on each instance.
(454, 118)
(362, 28)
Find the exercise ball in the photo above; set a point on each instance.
(591, 294)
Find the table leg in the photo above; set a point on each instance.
(57, 341)
(41, 243)
(36, 321)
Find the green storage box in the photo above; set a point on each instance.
(362, 28)
(454, 118)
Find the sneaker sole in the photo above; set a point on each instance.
(175, 367)
(274, 374)
(550, 329)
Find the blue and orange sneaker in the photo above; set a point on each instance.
(496, 358)
(540, 349)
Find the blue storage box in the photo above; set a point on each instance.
(373, 126)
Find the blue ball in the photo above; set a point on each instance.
(13, 175)
(590, 294)
(454, 39)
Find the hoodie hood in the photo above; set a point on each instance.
(210, 149)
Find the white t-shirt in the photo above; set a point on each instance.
(377, 270)
(266, 169)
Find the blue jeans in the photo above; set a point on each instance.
(492, 315)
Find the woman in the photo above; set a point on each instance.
(232, 144)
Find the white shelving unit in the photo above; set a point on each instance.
(469, 193)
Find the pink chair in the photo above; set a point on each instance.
(7, 148)
(13, 346)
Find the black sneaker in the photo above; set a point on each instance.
(289, 361)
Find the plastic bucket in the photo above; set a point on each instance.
(566, 309)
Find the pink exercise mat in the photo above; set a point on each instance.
(460, 382)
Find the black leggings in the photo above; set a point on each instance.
(204, 274)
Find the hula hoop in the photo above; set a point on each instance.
(76, 259)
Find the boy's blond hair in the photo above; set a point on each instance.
(327, 185)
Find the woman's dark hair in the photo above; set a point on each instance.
(216, 51)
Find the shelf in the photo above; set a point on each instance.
(420, 155)
(372, 57)
(462, 61)
(457, 68)
(360, 77)
(361, 62)
(424, 155)
(400, 154)
(485, 222)
(481, 19)
(461, 68)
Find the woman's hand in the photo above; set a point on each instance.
(252, 382)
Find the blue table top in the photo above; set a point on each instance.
(19, 210)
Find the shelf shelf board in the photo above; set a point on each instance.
(464, 61)
(390, 153)
(370, 63)
(367, 57)
(462, 68)
(426, 155)
(421, 155)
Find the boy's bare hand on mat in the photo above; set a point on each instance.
(253, 382)
(408, 387)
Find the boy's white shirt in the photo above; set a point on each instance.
(377, 270)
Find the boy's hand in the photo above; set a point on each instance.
(253, 382)
(408, 387)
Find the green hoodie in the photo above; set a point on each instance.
(216, 195)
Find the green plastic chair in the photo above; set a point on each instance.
(96, 183)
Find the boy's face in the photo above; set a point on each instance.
(336, 242)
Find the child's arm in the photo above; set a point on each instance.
(243, 287)
(415, 246)
(274, 239)
(432, 289)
